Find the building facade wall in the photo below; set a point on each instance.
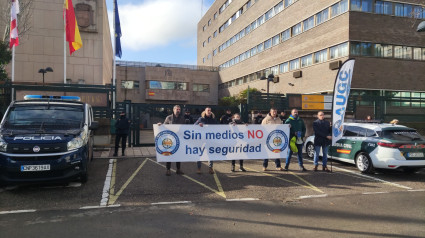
(43, 45)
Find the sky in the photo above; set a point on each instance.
(160, 31)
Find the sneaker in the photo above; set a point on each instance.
(302, 169)
(279, 169)
(198, 171)
(179, 172)
(211, 171)
(264, 169)
(233, 168)
(315, 168)
(168, 173)
(242, 169)
(286, 169)
(326, 169)
(115, 155)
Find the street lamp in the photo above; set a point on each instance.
(43, 71)
(269, 78)
(421, 27)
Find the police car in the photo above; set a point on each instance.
(46, 138)
(383, 146)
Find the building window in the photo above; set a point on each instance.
(269, 14)
(203, 60)
(203, 44)
(385, 8)
(306, 60)
(260, 48)
(209, 39)
(289, 3)
(384, 51)
(283, 68)
(417, 53)
(204, 27)
(278, 8)
(335, 10)
(167, 85)
(408, 10)
(296, 29)
(398, 9)
(286, 35)
(418, 12)
(81, 81)
(215, 34)
(209, 22)
(308, 24)
(201, 87)
(254, 51)
(215, 15)
(267, 44)
(366, 49)
(239, 81)
(322, 16)
(294, 64)
(361, 5)
(403, 52)
(339, 51)
(214, 52)
(321, 56)
(254, 25)
(260, 20)
(276, 39)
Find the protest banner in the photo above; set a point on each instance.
(183, 143)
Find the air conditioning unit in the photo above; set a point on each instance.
(335, 65)
(298, 74)
(276, 79)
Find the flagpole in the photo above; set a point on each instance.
(64, 44)
(13, 72)
(114, 66)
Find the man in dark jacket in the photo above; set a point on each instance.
(322, 139)
(297, 129)
(259, 118)
(226, 118)
(207, 117)
(175, 118)
(122, 126)
(188, 118)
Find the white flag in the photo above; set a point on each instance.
(340, 98)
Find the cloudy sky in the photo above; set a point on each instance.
(161, 31)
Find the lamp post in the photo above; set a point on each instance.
(269, 78)
(43, 71)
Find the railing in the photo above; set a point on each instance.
(151, 64)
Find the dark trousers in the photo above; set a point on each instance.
(266, 163)
(169, 165)
(119, 137)
(240, 162)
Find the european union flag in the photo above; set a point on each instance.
(118, 51)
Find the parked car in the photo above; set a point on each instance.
(46, 138)
(383, 146)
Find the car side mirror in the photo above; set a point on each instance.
(94, 125)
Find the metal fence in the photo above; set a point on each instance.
(145, 64)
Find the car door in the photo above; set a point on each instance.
(346, 148)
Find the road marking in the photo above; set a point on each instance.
(17, 211)
(220, 188)
(374, 193)
(113, 197)
(169, 203)
(221, 194)
(98, 207)
(313, 196)
(417, 190)
(289, 181)
(305, 181)
(373, 178)
(113, 179)
(242, 199)
(107, 185)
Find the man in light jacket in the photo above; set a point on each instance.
(271, 119)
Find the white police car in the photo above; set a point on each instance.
(383, 146)
(46, 138)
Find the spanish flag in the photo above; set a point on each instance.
(72, 33)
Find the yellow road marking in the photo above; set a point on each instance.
(114, 197)
(219, 192)
(305, 181)
(220, 188)
(113, 176)
(289, 181)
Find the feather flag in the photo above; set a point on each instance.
(14, 11)
(118, 51)
(72, 33)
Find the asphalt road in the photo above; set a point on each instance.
(133, 197)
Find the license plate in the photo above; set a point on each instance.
(34, 168)
(415, 155)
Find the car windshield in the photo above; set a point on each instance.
(402, 135)
(44, 116)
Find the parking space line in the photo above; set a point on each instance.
(305, 181)
(369, 193)
(313, 196)
(241, 199)
(114, 197)
(289, 181)
(171, 203)
(221, 194)
(107, 185)
(220, 188)
(98, 207)
(17, 211)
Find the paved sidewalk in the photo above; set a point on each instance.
(133, 152)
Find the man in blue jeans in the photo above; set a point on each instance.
(207, 117)
(297, 129)
(322, 140)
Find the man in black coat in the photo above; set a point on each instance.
(175, 118)
(122, 126)
(207, 117)
(322, 139)
(188, 118)
(226, 118)
(259, 118)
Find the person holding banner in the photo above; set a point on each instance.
(226, 118)
(322, 140)
(272, 118)
(175, 118)
(207, 117)
(297, 130)
(236, 120)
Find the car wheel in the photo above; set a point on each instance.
(364, 163)
(310, 150)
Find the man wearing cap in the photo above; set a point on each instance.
(122, 126)
(226, 118)
(175, 118)
(188, 118)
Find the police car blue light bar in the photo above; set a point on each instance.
(72, 98)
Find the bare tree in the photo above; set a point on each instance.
(24, 17)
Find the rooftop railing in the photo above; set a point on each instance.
(151, 64)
